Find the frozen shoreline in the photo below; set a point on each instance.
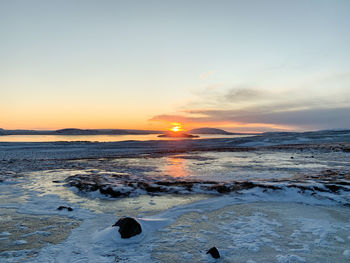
(333, 140)
(263, 199)
(251, 225)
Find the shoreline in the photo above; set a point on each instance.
(235, 194)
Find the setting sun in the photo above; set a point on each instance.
(177, 127)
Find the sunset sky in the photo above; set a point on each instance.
(238, 65)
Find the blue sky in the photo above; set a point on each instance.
(240, 65)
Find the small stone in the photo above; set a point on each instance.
(65, 207)
(214, 252)
(128, 227)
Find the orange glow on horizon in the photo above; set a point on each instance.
(177, 127)
(97, 120)
(230, 126)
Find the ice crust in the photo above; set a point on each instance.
(249, 221)
(246, 196)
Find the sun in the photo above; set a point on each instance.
(177, 127)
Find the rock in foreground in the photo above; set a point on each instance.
(65, 207)
(214, 252)
(128, 227)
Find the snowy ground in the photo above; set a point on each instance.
(273, 201)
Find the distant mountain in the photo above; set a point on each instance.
(74, 131)
(211, 131)
(24, 132)
(335, 132)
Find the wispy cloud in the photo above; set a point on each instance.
(320, 118)
(206, 75)
(246, 107)
(243, 94)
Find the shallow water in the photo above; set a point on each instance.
(227, 166)
(204, 171)
(101, 138)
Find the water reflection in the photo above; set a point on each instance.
(91, 138)
(177, 167)
(101, 138)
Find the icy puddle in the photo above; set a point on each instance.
(199, 173)
(259, 232)
(22, 235)
(222, 166)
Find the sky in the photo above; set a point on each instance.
(250, 65)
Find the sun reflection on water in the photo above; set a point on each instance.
(176, 167)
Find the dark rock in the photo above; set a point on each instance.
(65, 207)
(333, 187)
(187, 185)
(222, 188)
(153, 189)
(214, 252)
(343, 183)
(272, 187)
(84, 186)
(128, 227)
(247, 185)
(107, 190)
(301, 188)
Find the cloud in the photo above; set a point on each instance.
(176, 118)
(220, 96)
(323, 105)
(206, 75)
(306, 119)
(321, 118)
(243, 94)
